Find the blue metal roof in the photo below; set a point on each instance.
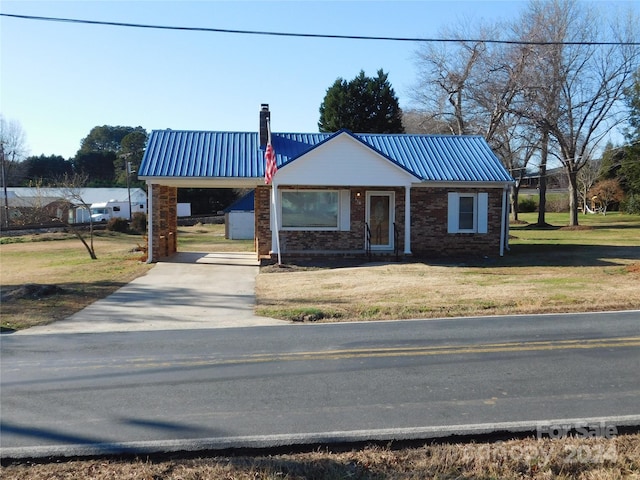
(189, 154)
(243, 204)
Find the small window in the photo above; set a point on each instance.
(466, 216)
(468, 212)
(310, 209)
(116, 209)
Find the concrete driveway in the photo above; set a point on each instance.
(186, 291)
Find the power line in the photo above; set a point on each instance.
(303, 35)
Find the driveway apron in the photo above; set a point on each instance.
(186, 291)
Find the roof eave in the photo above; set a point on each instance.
(464, 184)
(205, 182)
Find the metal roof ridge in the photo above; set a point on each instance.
(433, 135)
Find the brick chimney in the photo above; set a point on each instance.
(265, 117)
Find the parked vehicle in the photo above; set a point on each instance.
(105, 211)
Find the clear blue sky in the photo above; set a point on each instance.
(58, 80)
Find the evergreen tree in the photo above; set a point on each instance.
(104, 154)
(630, 168)
(46, 168)
(362, 105)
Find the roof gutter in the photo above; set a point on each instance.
(463, 184)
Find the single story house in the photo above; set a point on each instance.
(339, 194)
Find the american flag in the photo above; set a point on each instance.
(271, 168)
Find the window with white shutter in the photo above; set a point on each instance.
(468, 212)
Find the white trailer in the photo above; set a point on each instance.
(105, 211)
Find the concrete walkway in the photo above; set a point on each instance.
(186, 291)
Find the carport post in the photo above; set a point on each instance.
(149, 222)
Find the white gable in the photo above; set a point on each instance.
(343, 160)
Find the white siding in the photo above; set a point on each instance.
(241, 225)
(343, 161)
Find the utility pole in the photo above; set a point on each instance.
(128, 167)
(4, 187)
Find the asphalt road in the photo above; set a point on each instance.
(80, 394)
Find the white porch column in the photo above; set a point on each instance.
(407, 219)
(275, 234)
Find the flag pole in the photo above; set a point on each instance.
(274, 189)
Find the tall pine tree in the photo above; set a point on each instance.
(362, 105)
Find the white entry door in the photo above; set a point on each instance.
(380, 217)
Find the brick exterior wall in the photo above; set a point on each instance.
(303, 243)
(429, 237)
(164, 219)
(262, 239)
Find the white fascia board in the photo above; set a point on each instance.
(343, 160)
(200, 182)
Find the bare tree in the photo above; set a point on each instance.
(445, 78)
(516, 145)
(575, 89)
(13, 148)
(473, 86)
(587, 177)
(54, 206)
(71, 189)
(420, 122)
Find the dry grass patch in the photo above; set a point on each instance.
(209, 238)
(418, 290)
(62, 261)
(593, 459)
(550, 270)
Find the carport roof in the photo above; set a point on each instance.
(181, 154)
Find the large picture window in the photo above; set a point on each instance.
(310, 209)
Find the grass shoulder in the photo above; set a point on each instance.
(529, 458)
(547, 270)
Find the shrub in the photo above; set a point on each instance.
(527, 205)
(139, 222)
(631, 205)
(118, 224)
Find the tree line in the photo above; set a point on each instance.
(102, 158)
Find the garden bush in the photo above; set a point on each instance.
(118, 224)
(631, 205)
(139, 222)
(527, 205)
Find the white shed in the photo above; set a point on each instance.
(239, 218)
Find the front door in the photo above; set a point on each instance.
(380, 217)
